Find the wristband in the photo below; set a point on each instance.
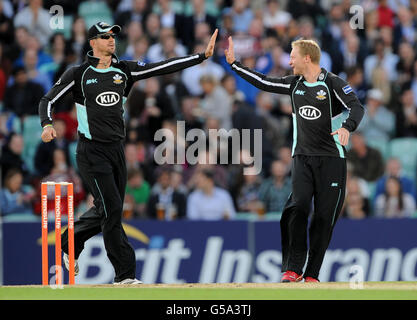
(47, 125)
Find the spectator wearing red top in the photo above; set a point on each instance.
(71, 123)
(3, 72)
(3, 84)
(385, 15)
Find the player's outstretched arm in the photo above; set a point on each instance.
(259, 80)
(143, 71)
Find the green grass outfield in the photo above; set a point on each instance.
(231, 291)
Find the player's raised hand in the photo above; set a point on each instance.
(230, 52)
(210, 47)
(343, 135)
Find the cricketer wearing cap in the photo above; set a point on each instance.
(320, 133)
(100, 87)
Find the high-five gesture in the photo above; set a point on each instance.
(210, 47)
(230, 52)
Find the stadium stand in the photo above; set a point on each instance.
(262, 31)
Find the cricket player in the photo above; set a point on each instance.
(321, 132)
(100, 87)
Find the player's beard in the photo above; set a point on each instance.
(110, 50)
(107, 49)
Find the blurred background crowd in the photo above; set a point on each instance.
(374, 50)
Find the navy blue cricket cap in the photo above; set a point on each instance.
(101, 28)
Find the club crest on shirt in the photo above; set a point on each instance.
(321, 95)
(117, 79)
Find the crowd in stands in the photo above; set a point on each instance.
(378, 59)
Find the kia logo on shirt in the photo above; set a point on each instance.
(108, 98)
(309, 112)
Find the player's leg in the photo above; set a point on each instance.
(120, 178)
(119, 252)
(330, 177)
(294, 218)
(86, 227)
(89, 223)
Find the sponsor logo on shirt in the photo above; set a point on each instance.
(309, 112)
(300, 92)
(140, 63)
(90, 81)
(108, 98)
(321, 95)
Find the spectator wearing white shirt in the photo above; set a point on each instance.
(167, 47)
(7, 8)
(241, 14)
(191, 76)
(216, 102)
(167, 15)
(378, 123)
(36, 19)
(394, 203)
(209, 202)
(383, 56)
(274, 16)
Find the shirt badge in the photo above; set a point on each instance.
(347, 89)
(117, 79)
(321, 95)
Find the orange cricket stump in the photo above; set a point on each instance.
(70, 197)
(58, 258)
(44, 200)
(58, 234)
